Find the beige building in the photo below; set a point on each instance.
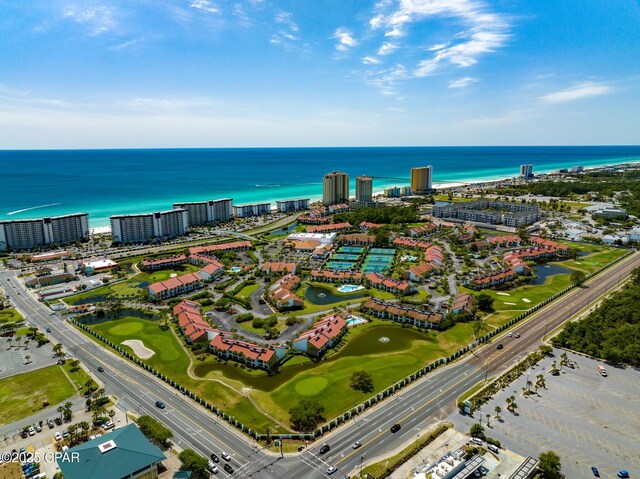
(364, 189)
(421, 180)
(335, 188)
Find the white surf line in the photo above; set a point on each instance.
(32, 208)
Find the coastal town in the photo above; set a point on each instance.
(271, 299)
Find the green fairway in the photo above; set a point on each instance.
(23, 395)
(171, 359)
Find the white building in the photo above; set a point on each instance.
(577, 169)
(526, 171)
(391, 192)
(322, 238)
(284, 206)
(145, 227)
(244, 211)
(32, 233)
(206, 212)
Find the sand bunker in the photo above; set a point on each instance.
(139, 349)
(526, 300)
(502, 294)
(510, 304)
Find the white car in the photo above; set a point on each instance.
(58, 436)
(225, 456)
(477, 440)
(212, 467)
(32, 431)
(331, 470)
(510, 335)
(356, 444)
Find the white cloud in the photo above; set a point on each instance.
(386, 80)
(98, 18)
(241, 15)
(371, 61)
(289, 31)
(345, 39)
(205, 6)
(387, 48)
(577, 92)
(462, 82)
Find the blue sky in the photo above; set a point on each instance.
(214, 73)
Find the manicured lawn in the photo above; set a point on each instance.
(9, 315)
(173, 361)
(79, 376)
(248, 290)
(22, 395)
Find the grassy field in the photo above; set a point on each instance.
(248, 291)
(173, 361)
(22, 395)
(10, 315)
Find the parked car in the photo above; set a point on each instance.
(24, 434)
(395, 428)
(160, 404)
(31, 431)
(211, 467)
(58, 436)
(214, 457)
(477, 440)
(225, 456)
(65, 433)
(38, 428)
(624, 474)
(324, 449)
(58, 421)
(228, 468)
(331, 470)
(595, 471)
(50, 424)
(108, 425)
(493, 448)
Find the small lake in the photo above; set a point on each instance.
(542, 272)
(289, 229)
(324, 296)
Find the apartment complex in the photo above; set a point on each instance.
(207, 212)
(284, 206)
(335, 188)
(33, 233)
(258, 209)
(421, 180)
(325, 334)
(490, 211)
(140, 228)
(402, 314)
(364, 189)
(526, 171)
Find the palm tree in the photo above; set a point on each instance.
(514, 406)
(529, 385)
(58, 352)
(498, 410)
(9, 340)
(60, 411)
(26, 344)
(564, 359)
(488, 420)
(27, 359)
(84, 426)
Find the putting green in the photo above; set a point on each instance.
(311, 386)
(126, 328)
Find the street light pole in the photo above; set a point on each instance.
(361, 458)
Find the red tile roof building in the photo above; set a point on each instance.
(313, 220)
(280, 294)
(359, 239)
(279, 268)
(423, 230)
(191, 322)
(494, 278)
(161, 263)
(330, 228)
(225, 346)
(175, 286)
(324, 335)
(336, 276)
(221, 247)
(402, 314)
(339, 208)
(463, 303)
(385, 283)
(366, 226)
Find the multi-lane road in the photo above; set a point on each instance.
(415, 408)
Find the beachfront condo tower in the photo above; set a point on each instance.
(364, 189)
(526, 171)
(207, 212)
(421, 180)
(335, 188)
(58, 230)
(145, 227)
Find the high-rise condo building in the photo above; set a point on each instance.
(364, 189)
(206, 212)
(285, 206)
(335, 188)
(145, 227)
(421, 179)
(526, 171)
(32, 233)
(244, 211)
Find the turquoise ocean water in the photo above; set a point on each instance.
(106, 182)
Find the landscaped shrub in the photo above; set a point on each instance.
(244, 317)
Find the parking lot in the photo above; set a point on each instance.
(587, 419)
(14, 360)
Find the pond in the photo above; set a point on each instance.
(396, 339)
(282, 231)
(542, 272)
(324, 296)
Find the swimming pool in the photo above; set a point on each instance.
(354, 320)
(349, 288)
(236, 269)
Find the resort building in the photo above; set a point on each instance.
(406, 191)
(367, 226)
(221, 248)
(211, 271)
(122, 453)
(141, 228)
(423, 230)
(335, 188)
(357, 239)
(526, 171)
(96, 266)
(378, 281)
(402, 314)
(463, 303)
(175, 286)
(504, 241)
(35, 233)
(330, 228)
(163, 263)
(191, 323)
(318, 216)
(336, 276)
(321, 238)
(364, 189)
(325, 334)
(207, 212)
(339, 208)
(421, 180)
(225, 346)
(45, 257)
(391, 192)
(494, 278)
(280, 294)
(245, 211)
(489, 211)
(285, 206)
(577, 169)
(279, 268)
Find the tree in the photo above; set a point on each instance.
(306, 415)
(477, 431)
(578, 277)
(549, 465)
(190, 460)
(9, 340)
(546, 349)
(564, 360)
(58, 352)
(154, 430)
(488, 420)
(361, 381)
(498, 410)
(540, 381)
(485, 302)
(27, 359)
(478, 326)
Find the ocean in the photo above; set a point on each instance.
(38, 183)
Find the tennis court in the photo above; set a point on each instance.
(340, 265)
(345, 257)
(351, 249)
(382, 251)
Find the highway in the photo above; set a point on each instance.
(416, 408)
